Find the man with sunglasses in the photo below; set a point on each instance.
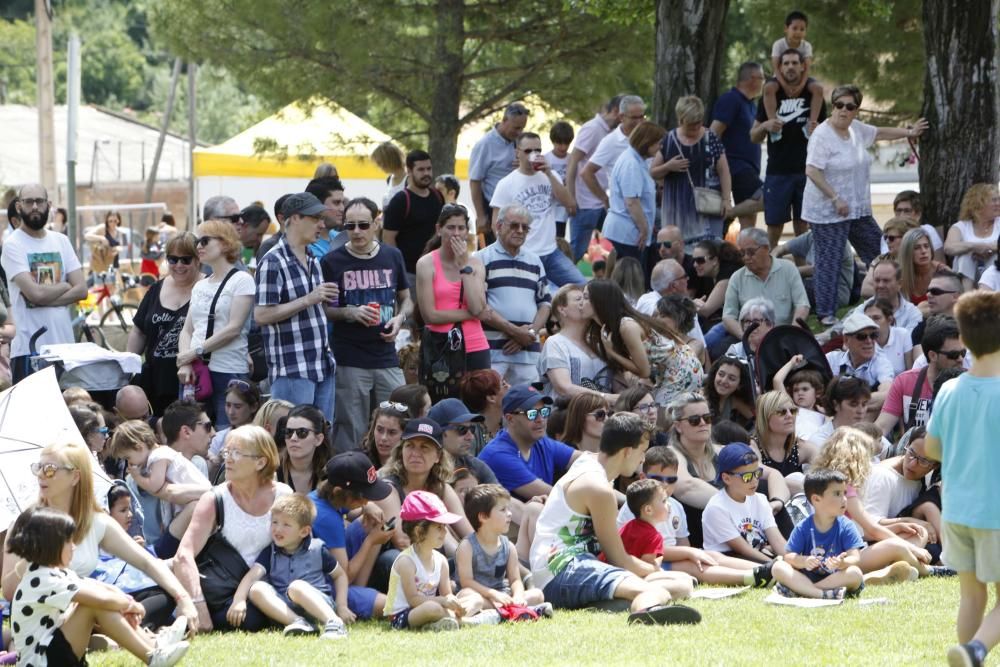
(523, 458)
(863, 359)
(670, 245)
(942, 295)
(410, 217)
(373, 303)
(534, 186)
(910, 397)
(458, 432)
(44, 276)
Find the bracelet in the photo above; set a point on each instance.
(197, 600)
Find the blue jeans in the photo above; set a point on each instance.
(560, 270)
(219, 383)
(302, 391)
(717, 340)
(581, 229)
(583, 581)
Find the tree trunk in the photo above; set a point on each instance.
(442, 126)
(690, 43)
(961, 103)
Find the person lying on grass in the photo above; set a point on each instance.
(710, 567)
(579, 514)
(824, 550)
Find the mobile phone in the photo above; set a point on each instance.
(390, 524)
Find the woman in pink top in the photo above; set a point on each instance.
(451, 286)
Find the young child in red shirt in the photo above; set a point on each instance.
(648, 502)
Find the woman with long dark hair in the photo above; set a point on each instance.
(302, 464)
(729, 391)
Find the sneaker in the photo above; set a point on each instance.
(941, 571)
(829, 321)
(665, 615)
(168, 656)
(334, 629)
(784, 591)
(762, 577)
(897, 573)
(299, 626)
(443, 624)
(173, 633)
(485, 617)
(963, 655)
(544, 610)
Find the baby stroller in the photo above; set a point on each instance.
(778, 346)
(100, 371)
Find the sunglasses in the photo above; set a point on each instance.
(699, 260)
(460, 429)
(865, 336)
(392, 405)
(183, 259)
(529, 151)
(937, 291)
(205, 240)
(694, 420)
(363, 226)
(103, 430)
(301, 432)
(954, 355)
(787, 411)
(234, 218)
(850, 106)
(48, 470)
(922, 460)
(748, 477)
(535, 413)
(889, 238)
(665, 479)
(239, 384)
(601, 414)
(746, 323)
(666, 245)
(207, 425)
(33, 202)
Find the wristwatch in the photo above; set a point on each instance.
(467, 269)
(533, 333)
(200, 350)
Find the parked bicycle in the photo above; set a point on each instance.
(103, 317)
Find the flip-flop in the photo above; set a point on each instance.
(665, 615)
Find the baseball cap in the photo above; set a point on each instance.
(354, 471)
(522, 397)
(856, 322)
(425, 506)
(453, 411)
(302, 203)
(423, 428)
(733, 456)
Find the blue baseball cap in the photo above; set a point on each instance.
(452, 411)
(735, 455)
(523, 397)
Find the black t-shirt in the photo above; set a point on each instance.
(364, 281)
(162, 328)
(415, 229)
(704, 286)
(788, 155)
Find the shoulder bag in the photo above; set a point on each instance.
(706, 200)
(219, 563)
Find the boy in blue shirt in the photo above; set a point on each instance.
(962, 435)
(823, 550)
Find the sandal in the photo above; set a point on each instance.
(665, 615)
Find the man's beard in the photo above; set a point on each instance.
(35, 219)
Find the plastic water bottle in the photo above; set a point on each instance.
(187, 393)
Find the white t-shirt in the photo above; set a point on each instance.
(85, 556)
(587, 140)
(846, 165)
(990, 279)
(534, 193)
(781, 45)
(560, 352)
(725, 519)
(42, 597)
(900, 342)
(932, 234)
(673, 529)
(232, 357)
(965, 264)
(47, 260)
(180, 470)
(887, 493)
(558, 166)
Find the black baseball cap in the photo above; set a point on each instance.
(302, 203)
(354, 471)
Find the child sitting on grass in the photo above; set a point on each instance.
(163, 472)
(289, 578)
(709, 567)
(738, 521)
(48, 627)
(487, 561)
(824, 550)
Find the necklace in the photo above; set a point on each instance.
(368, 253)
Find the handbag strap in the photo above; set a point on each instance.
(210, 327)
(220, 509)
(673, 136)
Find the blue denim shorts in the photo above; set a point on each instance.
(583, 581)
(783, 197)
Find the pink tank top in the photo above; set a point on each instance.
(446, 295)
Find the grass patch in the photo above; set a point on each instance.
(914, 628)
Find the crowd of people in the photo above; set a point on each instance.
(376, 414)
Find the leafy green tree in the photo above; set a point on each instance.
(17, 61)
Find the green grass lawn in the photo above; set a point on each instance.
(915, 627)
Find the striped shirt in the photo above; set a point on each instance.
(296, 347)
(516, 287)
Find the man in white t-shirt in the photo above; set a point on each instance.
(632, 112)
(896, 496)
(538, 189)
(44, 276)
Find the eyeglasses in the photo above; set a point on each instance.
(207, 425)
(665, 479)
(922, 460)
(889, 238)
(749, 322)
(748, 477)
(535, 413)
(239, 384)
(937, 291)
(601, 414)
(850, 106)
(460, 429)
(787, 411)
(48, 470)
(694, 420)
(518, 226)
(34, 202)
(226, 454)
(363, 226)
(392, 405)
(205, 240)
(529, 151)
(954, 355)
(699, 260)
(645, 407)
(750, 252)
(234, 218)
(183, 259)
(862, 337)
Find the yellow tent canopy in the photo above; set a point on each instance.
(292, 142)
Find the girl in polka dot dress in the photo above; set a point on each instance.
(54, 611)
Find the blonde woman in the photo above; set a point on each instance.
(268, 415)
(778, 446)
(972, 241)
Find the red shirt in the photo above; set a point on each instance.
(641, 538)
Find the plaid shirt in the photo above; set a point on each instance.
(296, 347)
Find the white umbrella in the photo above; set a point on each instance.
(33, 415)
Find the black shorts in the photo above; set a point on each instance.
(59, 652)
(747, 185)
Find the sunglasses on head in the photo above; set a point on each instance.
(850, 106)
(748, 477)
(535, 413)
(865, 336)
(48, 470)
(694, 420)
(363, 226)
(301, 432)
(665, 479)
(183, 259)
(937, 291)
(392, 405)
(954, 355)
(601, 414)
(236, 383)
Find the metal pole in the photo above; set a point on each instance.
(167, 112)
(192, 138)
(72, 111)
